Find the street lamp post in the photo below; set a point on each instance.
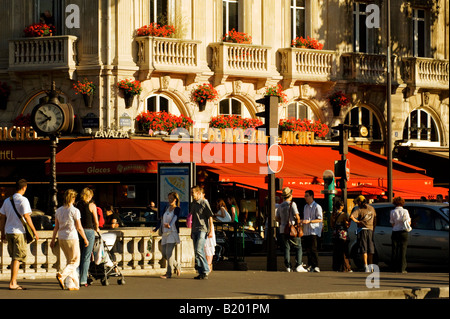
(388, 102)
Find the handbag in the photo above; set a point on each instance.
(295, 230)
(29, 235)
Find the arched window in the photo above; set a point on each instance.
(233, 107)
(420, 128)
(299, 110)
(362, 116)
(157, 103)
(158, 11)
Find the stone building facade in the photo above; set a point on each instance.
(97, 40)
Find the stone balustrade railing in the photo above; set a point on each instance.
(236, 59)
(56, 52)
(365, 67)
(168, 55)
(136, 252)
(425, 72)
(308, 64)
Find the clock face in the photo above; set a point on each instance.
(364, 131)
(48, 118)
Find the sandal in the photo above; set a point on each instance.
(60, 280)
(17, 288)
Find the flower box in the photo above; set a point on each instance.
(297, 125)
(308, 43)
(156, 30)
(39, 30)
(162, 122)
(234, 36)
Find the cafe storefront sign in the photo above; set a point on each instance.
(13, 133)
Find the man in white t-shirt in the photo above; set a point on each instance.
(13, 231)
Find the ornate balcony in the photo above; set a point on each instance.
(240, 60)
(168, 55)
(425, 73)
(307, 65)
(45, 53)
(366, 68)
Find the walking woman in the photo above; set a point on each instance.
(67, 223)
(340, 221)
(89, 221)
(399, 216)
(170, 238)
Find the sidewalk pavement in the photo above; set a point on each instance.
(251, 284)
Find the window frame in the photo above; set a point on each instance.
(415, 19)
(370, 126)
(58, 14)
(226, 16)
(293, 10)
(408, 126)
(172, 108)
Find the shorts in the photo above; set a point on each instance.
(365, 241)
(17, 247)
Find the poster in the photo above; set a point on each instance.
(175, 178)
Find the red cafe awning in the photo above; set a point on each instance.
(111, 156)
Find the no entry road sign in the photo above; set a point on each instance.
(275, 159)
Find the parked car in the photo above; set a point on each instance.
(427, 242)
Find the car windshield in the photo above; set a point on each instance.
(445, 210)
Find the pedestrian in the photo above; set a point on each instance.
(111, 217)
(202, 219)
(13, 231)
(89, 221)
(398, 217)
(67, 224)
(169, 230)
(210, 248)
(287, 213)
(222, 214)
(312, 230)
(365, 217)
(234, 209)
(340, 221)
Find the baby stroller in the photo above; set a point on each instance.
(104, 265)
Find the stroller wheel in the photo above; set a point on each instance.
(105, 281)
(121, 281)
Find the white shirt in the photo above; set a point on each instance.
(397, 217)
(13, 224)
(66, 217)
(311, 212)
(169, 235)
(225, 219)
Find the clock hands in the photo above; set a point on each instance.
(48, 118)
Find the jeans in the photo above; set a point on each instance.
(86, 253)
(201, 264)
(296, 244)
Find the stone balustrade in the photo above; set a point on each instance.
(366, 68)
(307, 65)
(425, 72)
(41, 53)
(136, 252)
(168, 55)
(237, 59)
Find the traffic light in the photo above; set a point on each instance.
(270, 115)
(343, 137)
(340, 169)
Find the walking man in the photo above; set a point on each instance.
(13, 231)
(202, 220)
(312, 229)
(287, 213)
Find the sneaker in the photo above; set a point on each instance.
(316, 269)
(288, 269)
(367, 268)
(74, 289)
(201, 276)
(300, 269)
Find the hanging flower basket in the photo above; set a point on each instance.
(129, 88)
(87, 89)
(338, 100)
(204, 93)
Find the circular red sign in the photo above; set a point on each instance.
(275, 158)
(347, 169)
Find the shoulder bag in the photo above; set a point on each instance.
(29, 235)
(406, 226)
(295, 230)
